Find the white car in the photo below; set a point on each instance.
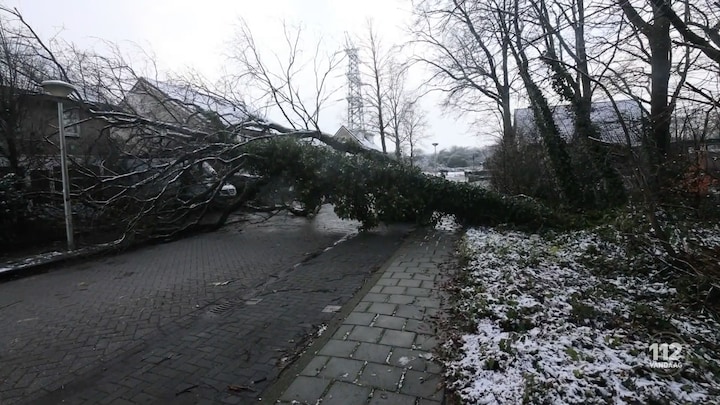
(228, 190)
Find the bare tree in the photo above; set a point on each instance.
(574, 85)
(396, 102)
(284, 87)
(379, 78)
(525, 39)
(702, 17)
(413, 128)
(469, 54)
(656, 29)
(25, 61)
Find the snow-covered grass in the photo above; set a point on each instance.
(562, 319)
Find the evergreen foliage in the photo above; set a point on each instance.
(375, 189)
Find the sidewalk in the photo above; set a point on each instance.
(17, 266)
(381, 354)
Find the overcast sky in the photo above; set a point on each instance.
(185, 34)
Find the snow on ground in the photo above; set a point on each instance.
(547, 329)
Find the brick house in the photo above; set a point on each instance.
(36, 139)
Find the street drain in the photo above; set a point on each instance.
(221, 308)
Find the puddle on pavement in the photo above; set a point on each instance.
(325, 222)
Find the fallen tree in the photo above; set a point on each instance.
(170, 149)
(374, 189)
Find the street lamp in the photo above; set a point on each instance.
(435, 144)
(61, 89)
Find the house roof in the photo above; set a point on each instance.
(195, 100)
(345, 133)
(603, 115)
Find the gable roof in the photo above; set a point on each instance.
(192, 100)
(602, 114)
(348, 135)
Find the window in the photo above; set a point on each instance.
(71, 117)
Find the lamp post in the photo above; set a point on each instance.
(61, 89)
(435, 144)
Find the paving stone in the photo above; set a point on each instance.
(409, 283)
(390, 322)
(143, 398)
(423, 277)
(431, 285)
(360, 307)
(398, 338)
(412, 359)
(342, 393)
(401, 275)
(382, 308)
(401, 299)
(365, 334)
(394, 268)
(425, 342)
(418, 269)
(381, 376)
(305, 389)
(427, 302)
(316, 364)
(376, 297)
(391, 398)
(233, 400)
(414, 325)
(387, 281)
(342, 332)
(410, 311)
(341, 369)
(422, 384)
(377, 289)
(433, 367)
(338, 348)
(359, 318)
(394, 290)
(429, 402)
(121, 401)
(419, 292)
(372, 352)
(432, 312)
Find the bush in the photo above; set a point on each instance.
(13, 207)
(23, 224)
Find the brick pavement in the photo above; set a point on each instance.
(182, 320)
(382, 353)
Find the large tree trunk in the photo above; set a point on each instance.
(508, 129)
(660, 66)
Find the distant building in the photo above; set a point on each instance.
(177, 114)
(365, 139)
(182, 104)
(603, 115)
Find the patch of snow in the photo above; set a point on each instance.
(548, 330)
(448, 223)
